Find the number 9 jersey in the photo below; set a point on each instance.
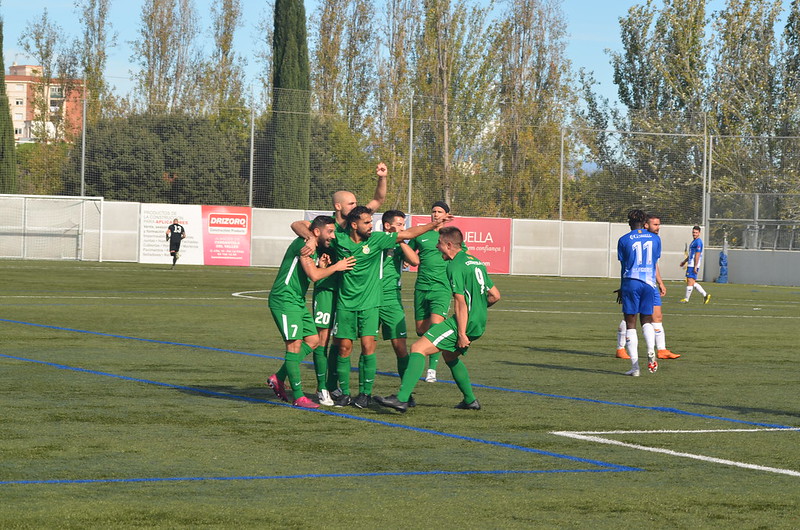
(468, 277)
(638, 252)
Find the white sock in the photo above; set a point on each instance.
(661, 339)
(649, 339)
(700, 289)
(689, 289)
(632, 346)
(621, 335)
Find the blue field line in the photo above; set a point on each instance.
(392, 374)
(303, 476)
(514, 447)
(152, 341)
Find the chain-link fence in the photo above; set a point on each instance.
(296, 158)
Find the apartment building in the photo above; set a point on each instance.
(66, 110)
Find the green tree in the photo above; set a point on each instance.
(222, 81)
(97, 38)
(8, 153)
(163, 158)
(165, 53)
(534, 98)
(285, 181)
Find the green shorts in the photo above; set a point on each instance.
(355, 324)
(444, 336)
(294, 323)
(433, 302)
(392, 316)
(324, 304)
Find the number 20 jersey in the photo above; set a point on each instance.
(638, 252)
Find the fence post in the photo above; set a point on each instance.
(410, 154)
(561, 180)
(83, 143)
(252, 148)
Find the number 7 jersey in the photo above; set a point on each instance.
(638, 252)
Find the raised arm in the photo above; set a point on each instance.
(380, 188)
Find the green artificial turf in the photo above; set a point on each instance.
(133, 395)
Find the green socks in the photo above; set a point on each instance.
(416, 365)
(321, 367)
(433, 360)
(461, 377)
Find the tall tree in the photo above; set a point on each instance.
(344, 55)
(8, 150)
(97, 38)
(223, 76)
(286, 181)
(165, 53)
(744, 96)
(534, 91)
(453, 78)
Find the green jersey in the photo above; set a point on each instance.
(291, 283)
(391, 268)
(432, 266)
(467, 276)
(360, 287)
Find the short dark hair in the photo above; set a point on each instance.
(636, 218)
(321, 221)
(451, 234)
(653, 216)
(389, 215)
(441, 204)
(356, 213)
(695, 227)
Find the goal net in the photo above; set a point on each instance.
(50, 227)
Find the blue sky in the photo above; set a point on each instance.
(592, 25)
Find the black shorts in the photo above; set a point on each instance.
(174, 246)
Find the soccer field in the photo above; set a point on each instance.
(134, 395)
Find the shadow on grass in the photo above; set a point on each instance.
(232, 392)
(749, 410)
(564, 368)
(568, 352)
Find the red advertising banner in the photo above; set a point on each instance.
(487, 238)
(226, 235)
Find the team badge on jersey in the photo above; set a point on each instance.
(365, 250)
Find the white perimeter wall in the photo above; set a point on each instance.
(548, 248)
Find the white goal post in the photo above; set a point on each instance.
(51, 227)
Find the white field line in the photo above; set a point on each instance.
(588, 437)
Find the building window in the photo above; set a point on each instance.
(20, 87)
(19, 102)
(17, 131)
(56, 92)
(18, 116)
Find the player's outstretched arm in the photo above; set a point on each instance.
(315, 273)
(415, 231)
(380, 188)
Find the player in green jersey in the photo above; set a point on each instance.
(287, 302)
(392, 316)
(431, 292)
(473, 293)
(360, 296)
(324, 293)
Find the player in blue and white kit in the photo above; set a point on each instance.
(693, 270)
(638, 252)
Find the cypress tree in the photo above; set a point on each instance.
(288, 177)
(8, 154)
